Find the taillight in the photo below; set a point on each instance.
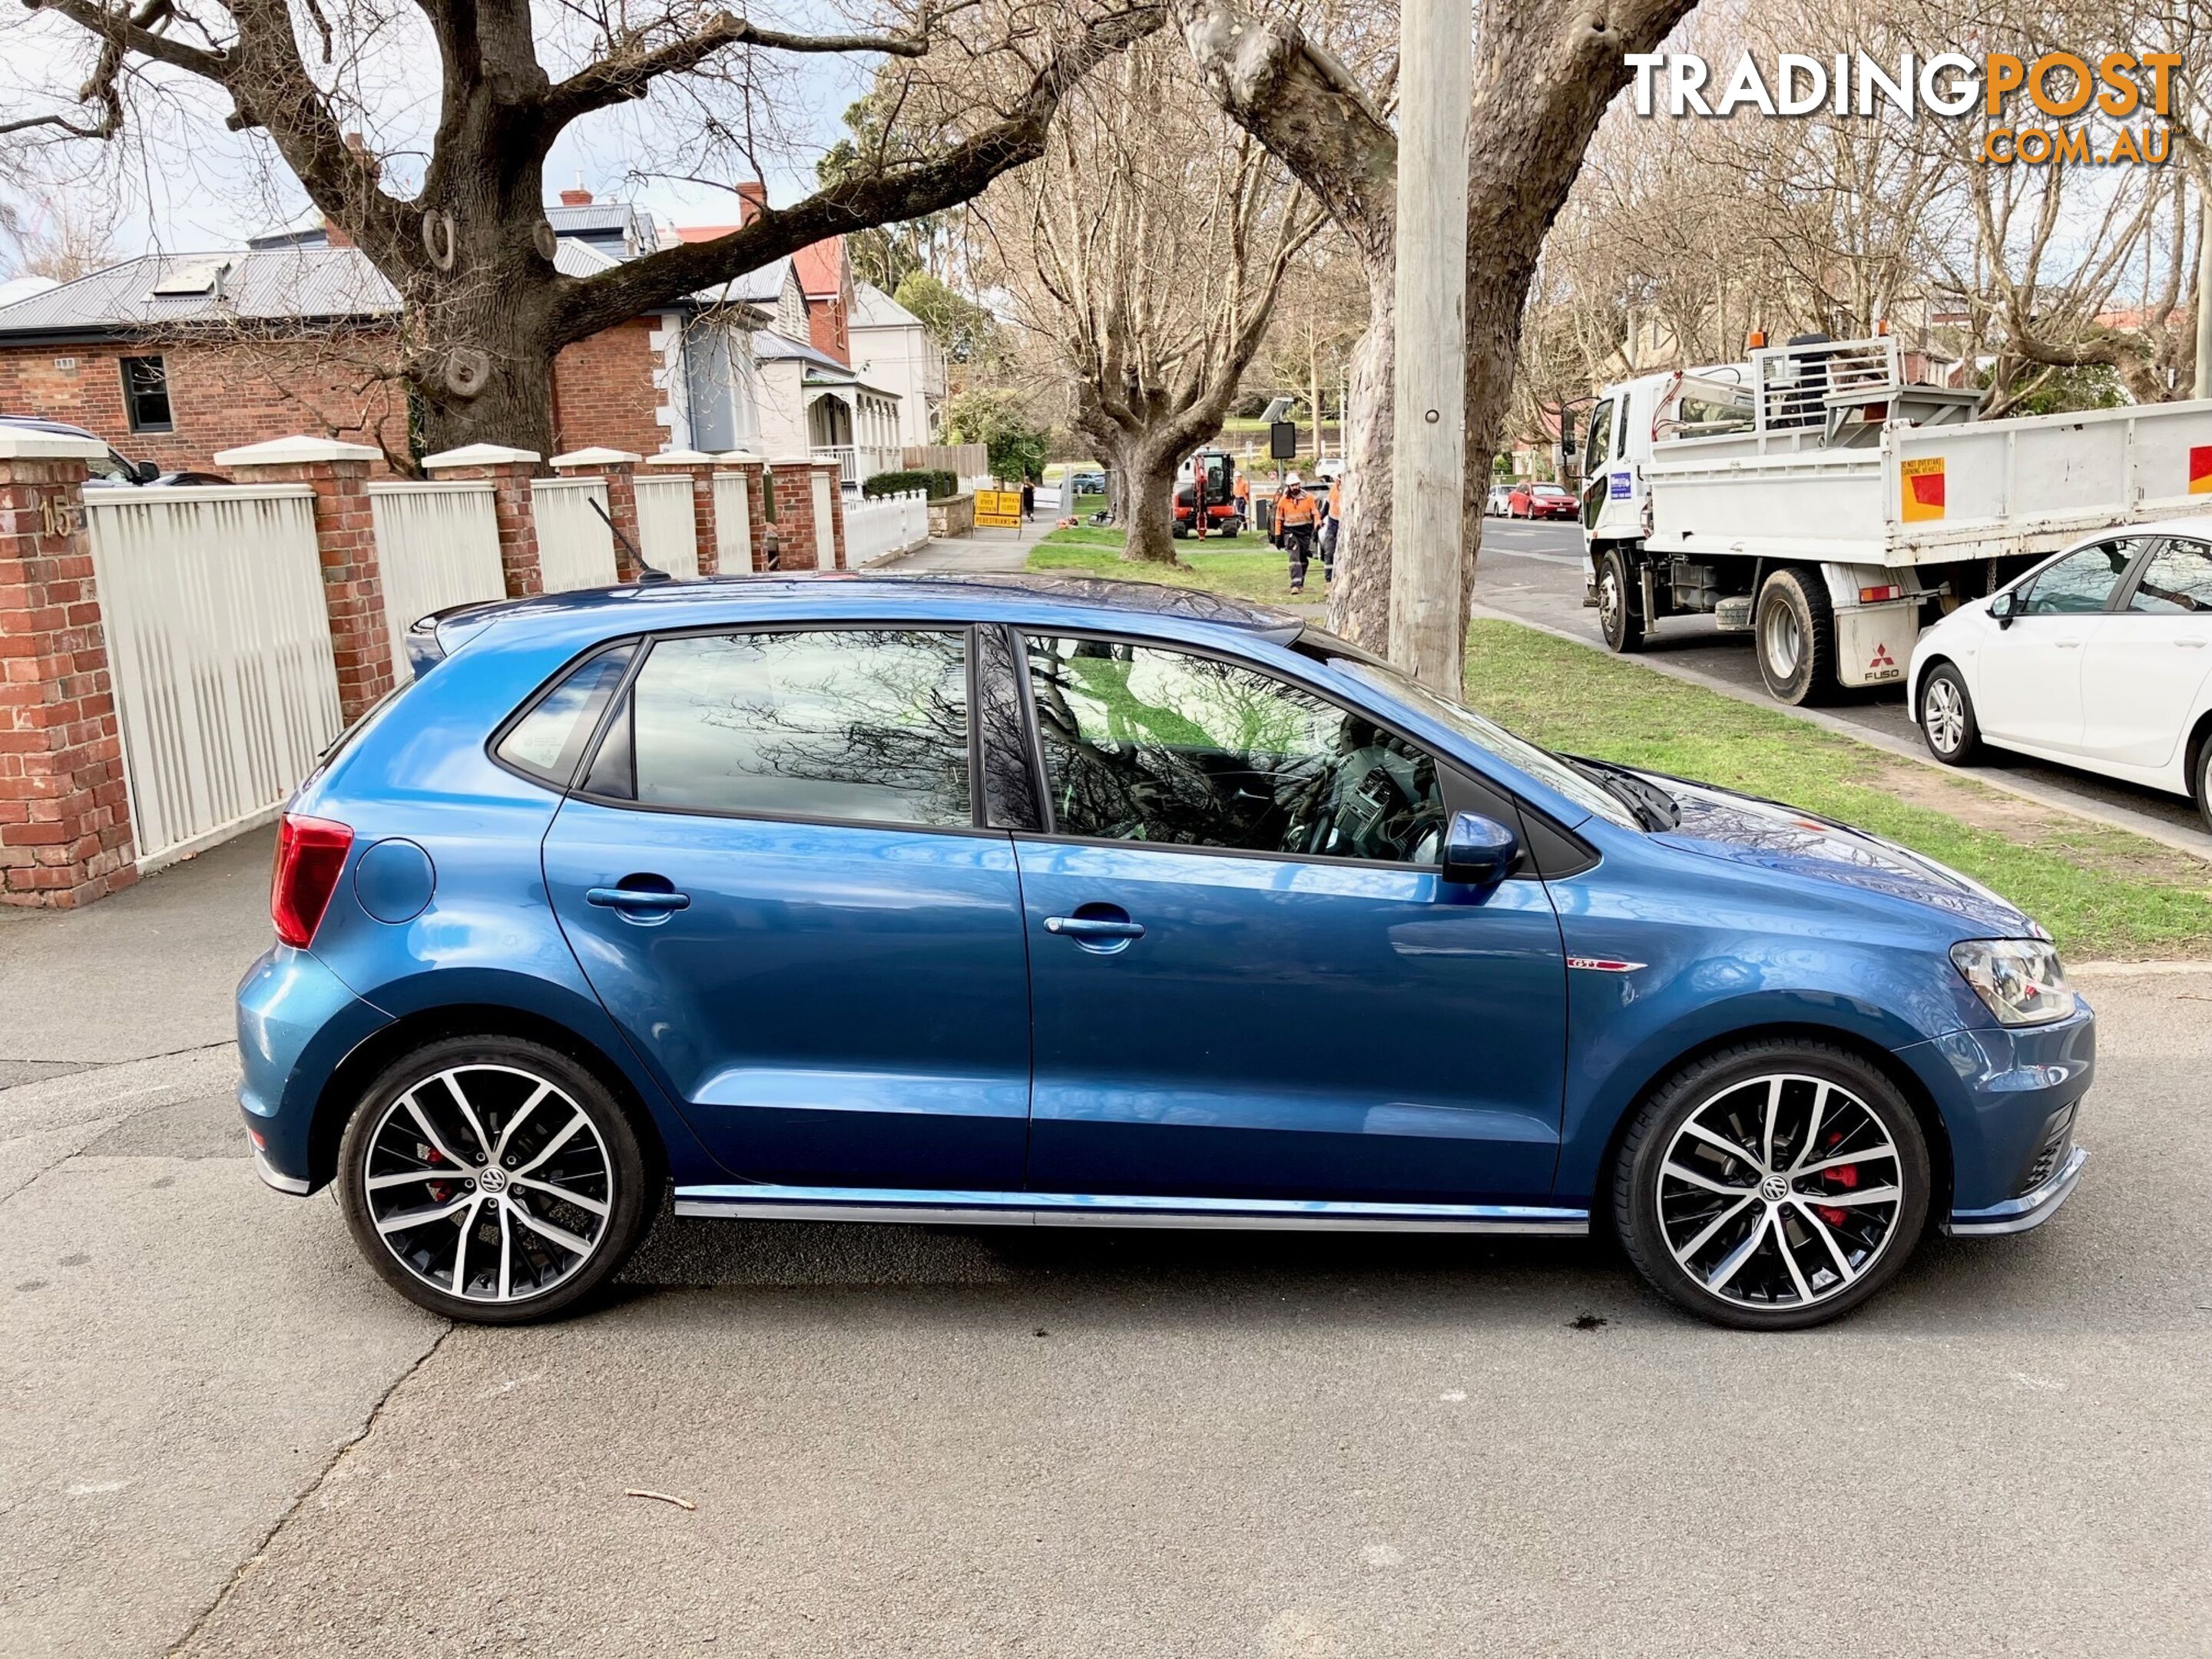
(310, 853)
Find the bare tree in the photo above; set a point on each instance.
(1545, 70)
(470, 250)
(1156, 237)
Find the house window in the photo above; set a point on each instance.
(146, 394)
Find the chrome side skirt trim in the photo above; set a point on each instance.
(283, 1183)
(2030, 1210)
(966, 1209)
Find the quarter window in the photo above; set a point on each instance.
(549, 740)
(1147, 744)
(146, 393)
(863, 724)
(2082, 581)
(2178, 580)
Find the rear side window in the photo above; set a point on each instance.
(2178, 581)
(858, 724)
(548, 739)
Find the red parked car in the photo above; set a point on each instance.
(1538, 500)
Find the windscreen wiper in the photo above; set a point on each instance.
(1654, 807)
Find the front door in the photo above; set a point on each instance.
(1247, 978)
(772, 879)
(2141, 673)
(2028, 676)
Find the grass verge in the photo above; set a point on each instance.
(2102, 892)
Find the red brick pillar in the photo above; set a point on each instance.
(619, 468)
(794, 512)
(64, 805)
(699, 467)
(509, 471)
(756, 475)
(345, 532)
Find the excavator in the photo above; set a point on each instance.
(1205, 497)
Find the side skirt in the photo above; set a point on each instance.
(756, 1203)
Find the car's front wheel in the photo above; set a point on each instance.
(1773, 1186)
(493, 1180)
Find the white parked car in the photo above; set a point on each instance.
(1500, 503)
(2100, 658)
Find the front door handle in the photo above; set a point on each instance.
(1085, 927)
(641, 900)
(2068, 644)
(2190, 645)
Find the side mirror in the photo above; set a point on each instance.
(146, 471)
(1478, 851)
(2005, 606)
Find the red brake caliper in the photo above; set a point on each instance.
(1845, 1176)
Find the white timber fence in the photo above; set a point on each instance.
(437, 544)
(667, 534)
(575, 548)
(219, 643)
(892, 524)
(733, 525)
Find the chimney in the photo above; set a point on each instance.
(753, 201)
(576, 195)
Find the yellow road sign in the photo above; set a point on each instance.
(999, 509)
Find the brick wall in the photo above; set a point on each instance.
(221, 394)
(603, 393)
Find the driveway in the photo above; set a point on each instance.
(1534, 573)
(223, 1436)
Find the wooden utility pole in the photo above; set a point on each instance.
(1428, 473)
(2204, 285)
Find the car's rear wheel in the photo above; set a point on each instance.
(1773, 1185)
(493, 1180)
(2201, 781)
(1947, 716)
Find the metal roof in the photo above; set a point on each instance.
(770, 347)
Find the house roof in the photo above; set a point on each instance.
(298, 284)
(763, 286)
(822, 268)
(874, 308)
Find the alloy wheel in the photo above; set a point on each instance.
(1780, 1192)
(1943, 714)
(489, 1183)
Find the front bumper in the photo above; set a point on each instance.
(2022, 1214)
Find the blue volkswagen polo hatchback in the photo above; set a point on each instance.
(1083, 904)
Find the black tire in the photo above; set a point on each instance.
(605, 1167)
(1618, 603)
(1793, 605)
(1948, 724)
(2200, 778)
(1653, 1225)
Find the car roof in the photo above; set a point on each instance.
(1093, 599)
(38, 423)
(2197, 525)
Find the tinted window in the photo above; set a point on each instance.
(2081, 582)
(2178, 580)
(547, 740)
(864, 724)
(1142, 744)
(146, 393)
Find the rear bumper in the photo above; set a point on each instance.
(2029, 1211)
(296, 1021)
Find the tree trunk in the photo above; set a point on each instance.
(1149, 496)
(511, 399)
(1360, 599)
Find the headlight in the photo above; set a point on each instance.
(2019, 979)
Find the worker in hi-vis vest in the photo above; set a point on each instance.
(1296, 517)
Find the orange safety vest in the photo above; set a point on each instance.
(1242, 489)
(1294, 510)
(1336, 497)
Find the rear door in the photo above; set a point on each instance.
(2143, 673)
(2027, 677)
(773, 877)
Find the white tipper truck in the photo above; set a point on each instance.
(1814, 498)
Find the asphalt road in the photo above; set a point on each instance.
(222, 1437)
(1533, 572)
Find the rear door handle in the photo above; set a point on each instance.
(640, 899)
(1083, 928)
(2190, 645)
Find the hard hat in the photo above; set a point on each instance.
(1295, 481)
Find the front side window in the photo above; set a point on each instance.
(1149, 745)
(2082, 581)
(861, 724)
(1600, 436)
(2178, 581)
(146, 393)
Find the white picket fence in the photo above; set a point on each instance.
(219, 649)
(733, 525)
(437, 544)
(876, 530)
(667, 534)
(576, 548)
